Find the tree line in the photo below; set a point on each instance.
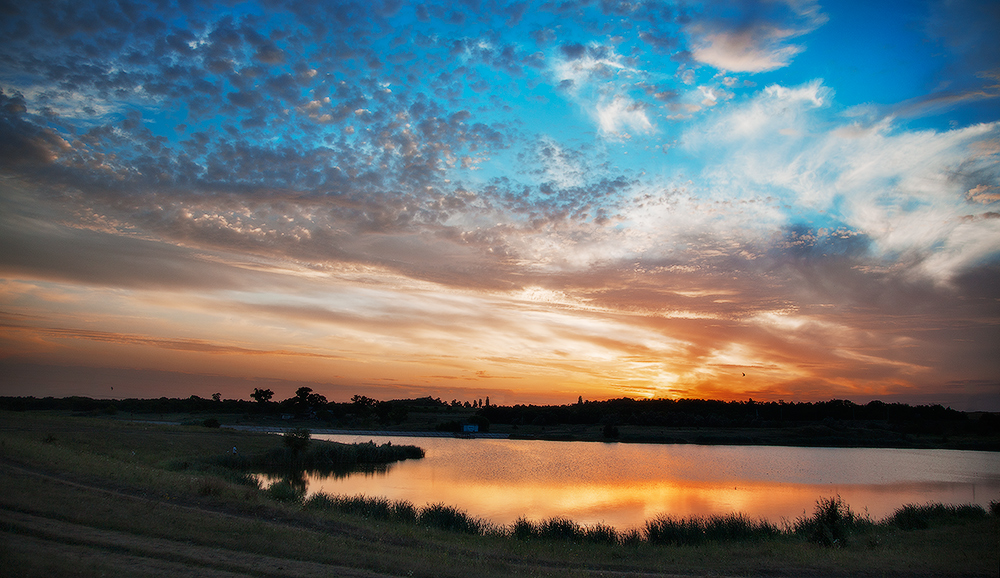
(308, 404)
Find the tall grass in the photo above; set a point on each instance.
(697, 530)
(325, 457)
(831, 524)
(374, 508)
(914, 517)
(564, 529)
(437, 516)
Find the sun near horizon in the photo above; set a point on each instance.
(534, 201)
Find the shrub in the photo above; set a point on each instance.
(560, 529)
(211, 422)
(831, 523)
(296, 440)
(602, 534)
(451, 519)
(913, 517)
(524, 529)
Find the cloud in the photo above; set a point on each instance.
(427, 191)
(621, 115)
(897, 187)
(754, 37)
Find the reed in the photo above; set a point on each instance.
(697, 530)
(832, 523)
(437, 516)
(368, 507)
(921, 517)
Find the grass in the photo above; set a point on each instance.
(301, 454)
(114, 495)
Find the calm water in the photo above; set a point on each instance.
(625, 484)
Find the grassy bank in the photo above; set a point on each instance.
(90, 497)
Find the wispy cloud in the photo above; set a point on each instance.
(554, 198)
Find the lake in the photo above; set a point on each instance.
(624, 485)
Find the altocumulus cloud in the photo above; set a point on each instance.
(544, 199)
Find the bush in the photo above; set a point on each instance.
(211, 422)
(602, 534)
(450, 519)
(561, 529)
(296, 440)
(913, 517)
(832, 523)
(524, 529)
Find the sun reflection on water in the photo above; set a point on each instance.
(624, 485)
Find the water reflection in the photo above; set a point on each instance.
(304, 482)
(625, 484)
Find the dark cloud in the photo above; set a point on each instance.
(573, 51)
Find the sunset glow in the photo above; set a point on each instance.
(530, 201)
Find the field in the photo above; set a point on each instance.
(90, 496)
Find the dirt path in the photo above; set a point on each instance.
(40, 538)
(147, 556)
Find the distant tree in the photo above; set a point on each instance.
(262, 396)
(487, 401)
(305, 401)
(388, 411)
(315, 400)
(362, 401)
(216, 397)
(579, 400)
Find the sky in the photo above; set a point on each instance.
(774, 199)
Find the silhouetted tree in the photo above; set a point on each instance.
(262, 395)
(306, 401)
(216, 397)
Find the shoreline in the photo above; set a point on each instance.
(706, 437)
(383, 433)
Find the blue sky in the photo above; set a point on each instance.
(528, 200)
